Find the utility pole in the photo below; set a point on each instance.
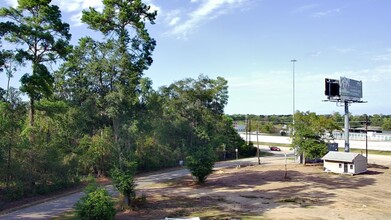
(293, 88)
(258, 152)
(249, 130)
(293, 103)
(366, 137)
(245, 128)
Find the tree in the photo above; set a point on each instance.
(133, 56)
(386, 124)
(376, 120)
(195, 109)
(37, 26)
(311, 133)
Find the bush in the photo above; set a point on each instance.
(96, 205)
(15, 191)
(124, 182)
(247, 150)
(200, 163)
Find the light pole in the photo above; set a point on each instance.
(293, 100)
(293, 66)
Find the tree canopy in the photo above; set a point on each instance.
(310, 134)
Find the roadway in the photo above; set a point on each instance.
(372, 145)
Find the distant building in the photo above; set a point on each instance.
(240, 128)
(369, 129)
(345, 163)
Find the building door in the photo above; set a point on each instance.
(345, 167)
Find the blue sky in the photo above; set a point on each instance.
(251, 44)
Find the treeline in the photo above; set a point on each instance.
(97, 114)
(272, 123)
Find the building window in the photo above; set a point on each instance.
(340, 165)
(351, 166)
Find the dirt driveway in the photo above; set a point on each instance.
(262, 192)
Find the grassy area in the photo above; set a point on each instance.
(362, 151)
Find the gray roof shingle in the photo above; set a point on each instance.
(340, 156)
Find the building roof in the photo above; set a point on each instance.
(340, 156)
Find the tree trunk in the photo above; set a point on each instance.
(32, 112)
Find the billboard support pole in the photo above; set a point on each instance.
(346, 126)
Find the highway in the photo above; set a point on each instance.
(372, 145)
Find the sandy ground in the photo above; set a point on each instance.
(263, 192)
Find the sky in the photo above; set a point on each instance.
(251, 44)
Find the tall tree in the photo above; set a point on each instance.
(37, 27)
(134, 55)
(197, 106)
(123, 22)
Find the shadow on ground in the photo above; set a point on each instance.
(247, 191)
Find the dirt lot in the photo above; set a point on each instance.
(262, 192)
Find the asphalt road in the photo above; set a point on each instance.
(372, 145)
(53, 208)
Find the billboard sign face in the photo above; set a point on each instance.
(350, 89)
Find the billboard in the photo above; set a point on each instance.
(331, 88)
(350, 89)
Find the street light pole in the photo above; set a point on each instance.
(293, 101)
(294, 109)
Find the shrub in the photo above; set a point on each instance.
(96, 205)
(124, 182)
(15, 191)
(200, 163)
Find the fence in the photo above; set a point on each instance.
(361, 136)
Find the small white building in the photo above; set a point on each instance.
(344, 162)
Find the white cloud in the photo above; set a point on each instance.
(172, 17)
(206, 10)
(344, 50)
(303, 8)
(174, 21)
(76, 19)
(327, 13)
(383, 57)
(12, 3)
(314, 53)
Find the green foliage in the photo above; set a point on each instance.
(311, 133)
(124, 182)
(152, 155)
(386, 124)
(37, 26)
(200, 162)
(92, 185)
(96, 205)
(247, 150)
(97, 151)
(14, 191)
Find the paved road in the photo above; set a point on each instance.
(50, 209)
(372, 145)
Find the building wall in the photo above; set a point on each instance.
(360, 164)
(331, 166)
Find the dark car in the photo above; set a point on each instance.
(275, 148)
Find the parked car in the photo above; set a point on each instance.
(274, 148)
